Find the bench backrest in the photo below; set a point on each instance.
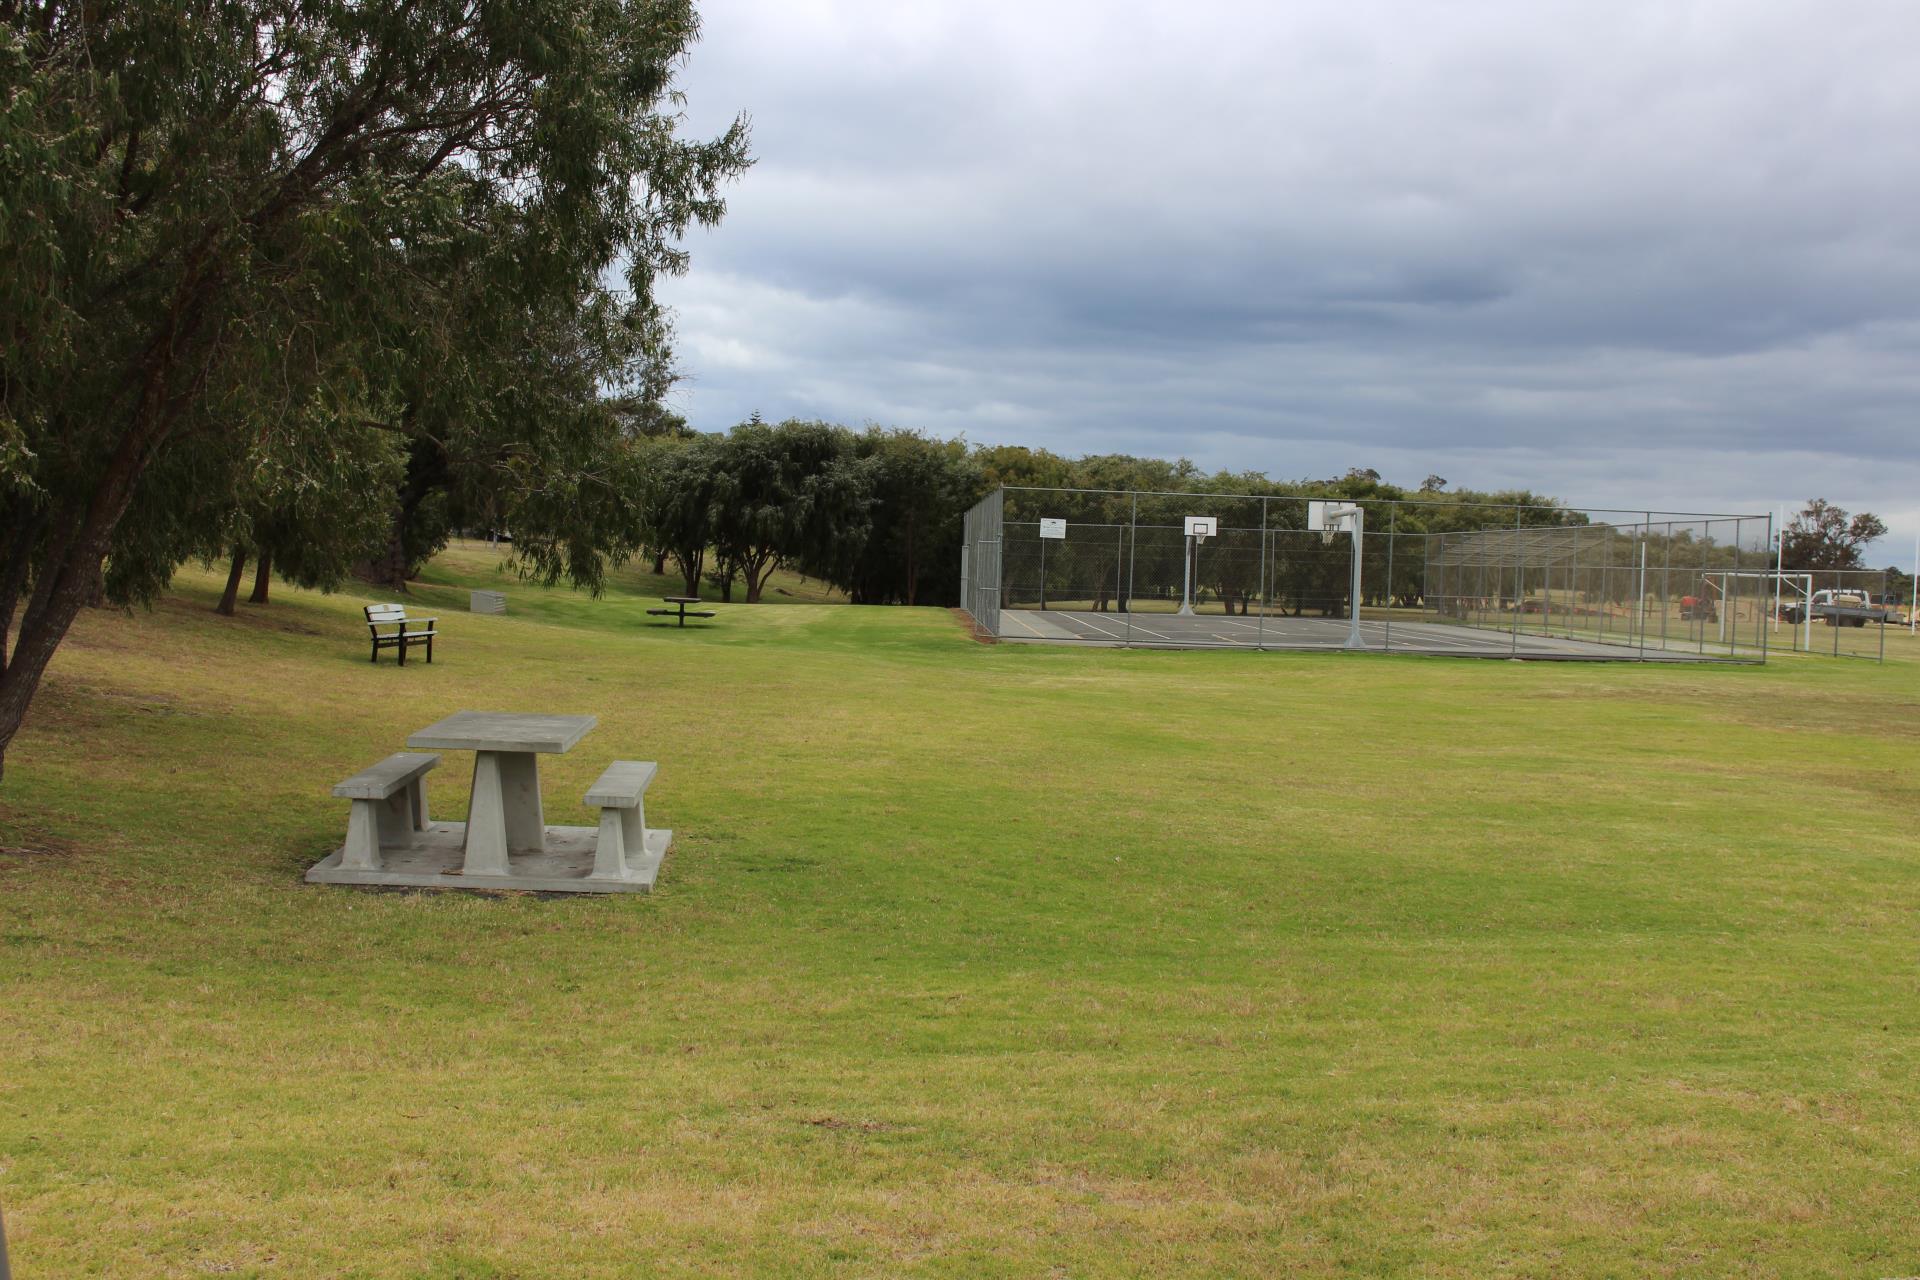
(379, 615)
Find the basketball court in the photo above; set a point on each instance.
(1184, 570)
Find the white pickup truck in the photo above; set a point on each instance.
(1842, 607)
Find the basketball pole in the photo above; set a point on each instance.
(1353, 607)
(1186, 580)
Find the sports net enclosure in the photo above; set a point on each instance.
(1426, 575)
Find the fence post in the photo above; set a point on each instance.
(1260, 627)
(1393, 522)
(1519, 514)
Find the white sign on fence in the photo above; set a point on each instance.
(1052, 528)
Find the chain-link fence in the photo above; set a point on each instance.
(1434, 575)
(1844, 613)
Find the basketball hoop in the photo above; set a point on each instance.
(1199, 529)
(1329, 519)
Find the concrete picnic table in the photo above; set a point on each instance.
(505, 815)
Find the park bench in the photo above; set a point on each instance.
(389, 805)
(403, 634)
(623, 818)
(681, 612)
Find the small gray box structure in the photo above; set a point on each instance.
(486, 602)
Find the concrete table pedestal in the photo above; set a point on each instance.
(505, 815)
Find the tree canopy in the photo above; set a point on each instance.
(1824, 536)
(439, 220)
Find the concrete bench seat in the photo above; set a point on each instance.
(405, 631)
(389, 805)
(620, 794)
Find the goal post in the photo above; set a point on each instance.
(1786, 589)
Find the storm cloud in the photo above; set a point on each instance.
(1634, 254)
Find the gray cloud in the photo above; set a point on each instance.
(1648, 254)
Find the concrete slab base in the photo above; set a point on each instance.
(435, 857)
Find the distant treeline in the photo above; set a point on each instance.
(878, 512)
(875, 512)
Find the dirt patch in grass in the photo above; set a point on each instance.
(75, 706)
(965, 619)
(860, 1126)
(20, 843)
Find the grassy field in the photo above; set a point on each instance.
(968, 960)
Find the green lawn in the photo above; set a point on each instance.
(968, 960)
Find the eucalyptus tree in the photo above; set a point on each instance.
(788, 493)
(919, 488)
(1824, 536)
(315, 504)
(676, 499)
(221, 212)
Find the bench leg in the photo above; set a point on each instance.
(417, 804)
(362, 852)
(396, 820)
(376, 652)
(610, 854)
(403, 651)
(633, 828)
(429, 650)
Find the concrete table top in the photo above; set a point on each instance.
(503, 731)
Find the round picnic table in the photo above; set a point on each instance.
(680, 603)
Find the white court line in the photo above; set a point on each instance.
(1085, 621)
(1429, 637)
(1015, 615)
(1137, 627)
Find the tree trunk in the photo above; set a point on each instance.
(911, 575)
(389, 568)
(757, 571)
(660, 564)
(13, 571)
(427, 471)
(262, 577)
(76, 550)
(225, 607)
(692, 568)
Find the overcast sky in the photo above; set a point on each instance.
(1627, 253)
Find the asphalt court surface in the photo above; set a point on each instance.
(1170, 630)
